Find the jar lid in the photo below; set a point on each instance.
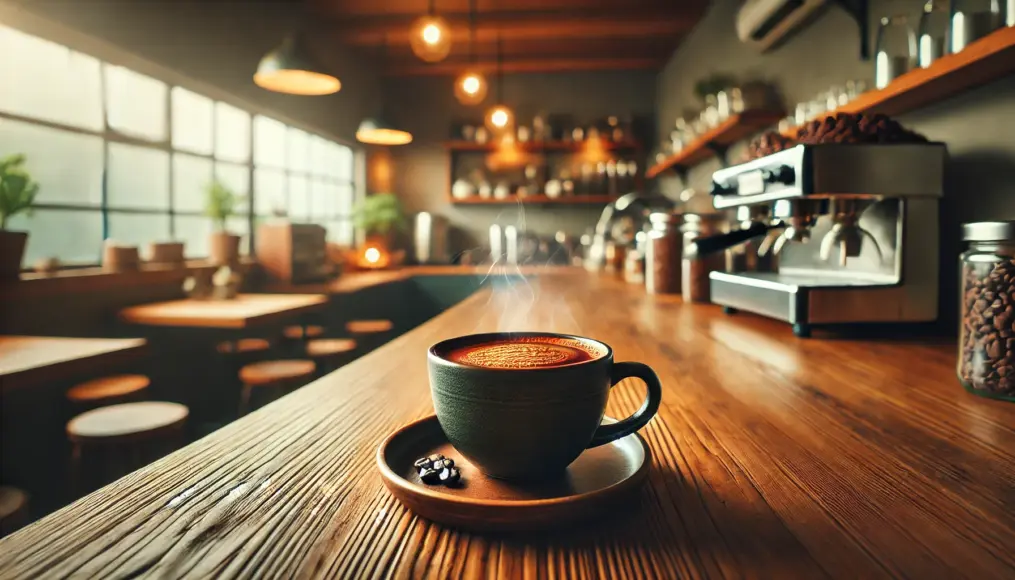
(988, 231)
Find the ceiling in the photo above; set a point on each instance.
(535, 35)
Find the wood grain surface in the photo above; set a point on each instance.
(244, 311)
(773, 457)
(357, 281)
(32, 360)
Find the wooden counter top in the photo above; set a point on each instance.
(30, 360)
(773, 457)
(356, 281)
(244, 311)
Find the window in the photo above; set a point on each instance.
(125, 156)
(303, 176)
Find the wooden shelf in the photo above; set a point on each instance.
(573, 146)
(730, 131)
(536, 199)
(987, 59)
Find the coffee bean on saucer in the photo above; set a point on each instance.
(430, 476)
(422, 463)
(450, 476)
(448, 462)
(435, 457)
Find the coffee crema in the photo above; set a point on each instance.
(525, 353)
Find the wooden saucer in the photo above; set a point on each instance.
(593, 486)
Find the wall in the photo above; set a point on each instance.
(220, 44)
(426, 107)
(980, 181)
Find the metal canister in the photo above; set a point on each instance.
(694, 280)
(663, 252)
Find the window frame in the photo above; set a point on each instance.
(110, 55)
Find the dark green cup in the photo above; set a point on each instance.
(531, 423)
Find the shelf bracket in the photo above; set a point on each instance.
(681, 172)
(720, 152)
(858, 10)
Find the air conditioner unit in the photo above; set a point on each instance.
(765, 23)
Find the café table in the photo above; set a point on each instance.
(27, 361)
(243, 312)
(772, 457)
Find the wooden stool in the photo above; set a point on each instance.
(370, 334)
(368, 326)
(330, 353)
(273, 373)
(299, 332)
(13, 509)
(108, 390)
(243, 346)
(126, 430)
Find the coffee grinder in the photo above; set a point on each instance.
(853, 227)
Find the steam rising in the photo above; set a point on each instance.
(514, 296)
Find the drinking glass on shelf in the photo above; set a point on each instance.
(711, 111)
(737, 100)
(895, 49)
(800, 114)
(723, 105)
(972, 20)
(854, 89)
(932, 32)
(833, 98)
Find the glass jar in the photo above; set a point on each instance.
(895, 50)
(695, 284)
(933, 32)
(663, 252)
(986, 364)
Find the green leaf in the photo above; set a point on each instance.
(17, 190)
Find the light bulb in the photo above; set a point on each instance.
(431, 34)
(499, 119)
(470, 88)
(430, 38)
(372, 255)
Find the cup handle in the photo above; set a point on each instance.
(622, 370)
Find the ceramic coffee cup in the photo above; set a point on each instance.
(531, 423)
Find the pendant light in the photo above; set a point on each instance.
(500, 118)
(471, 85)
(288, 69)
(430, 36)
(376, 130)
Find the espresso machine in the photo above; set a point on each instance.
(852, 230)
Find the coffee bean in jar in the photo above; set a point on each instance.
(663, 251)
(986, 364)
(696, 285)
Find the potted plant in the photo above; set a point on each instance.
(221, 204)
(17, 195)
(380, 217)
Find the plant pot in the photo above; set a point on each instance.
(116, 258)
(12, 251)
(166, 254)
(224, 249)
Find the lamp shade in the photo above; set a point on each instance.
(471, 88)
(286, 70)
(430, 38)
(375, 131)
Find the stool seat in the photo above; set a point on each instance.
(104, 388)
(13, 502)
(275, 371)
(13, 509)
(296, 331)
(325, 347)
(129, 421)
(368, 326)
(243, 346)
